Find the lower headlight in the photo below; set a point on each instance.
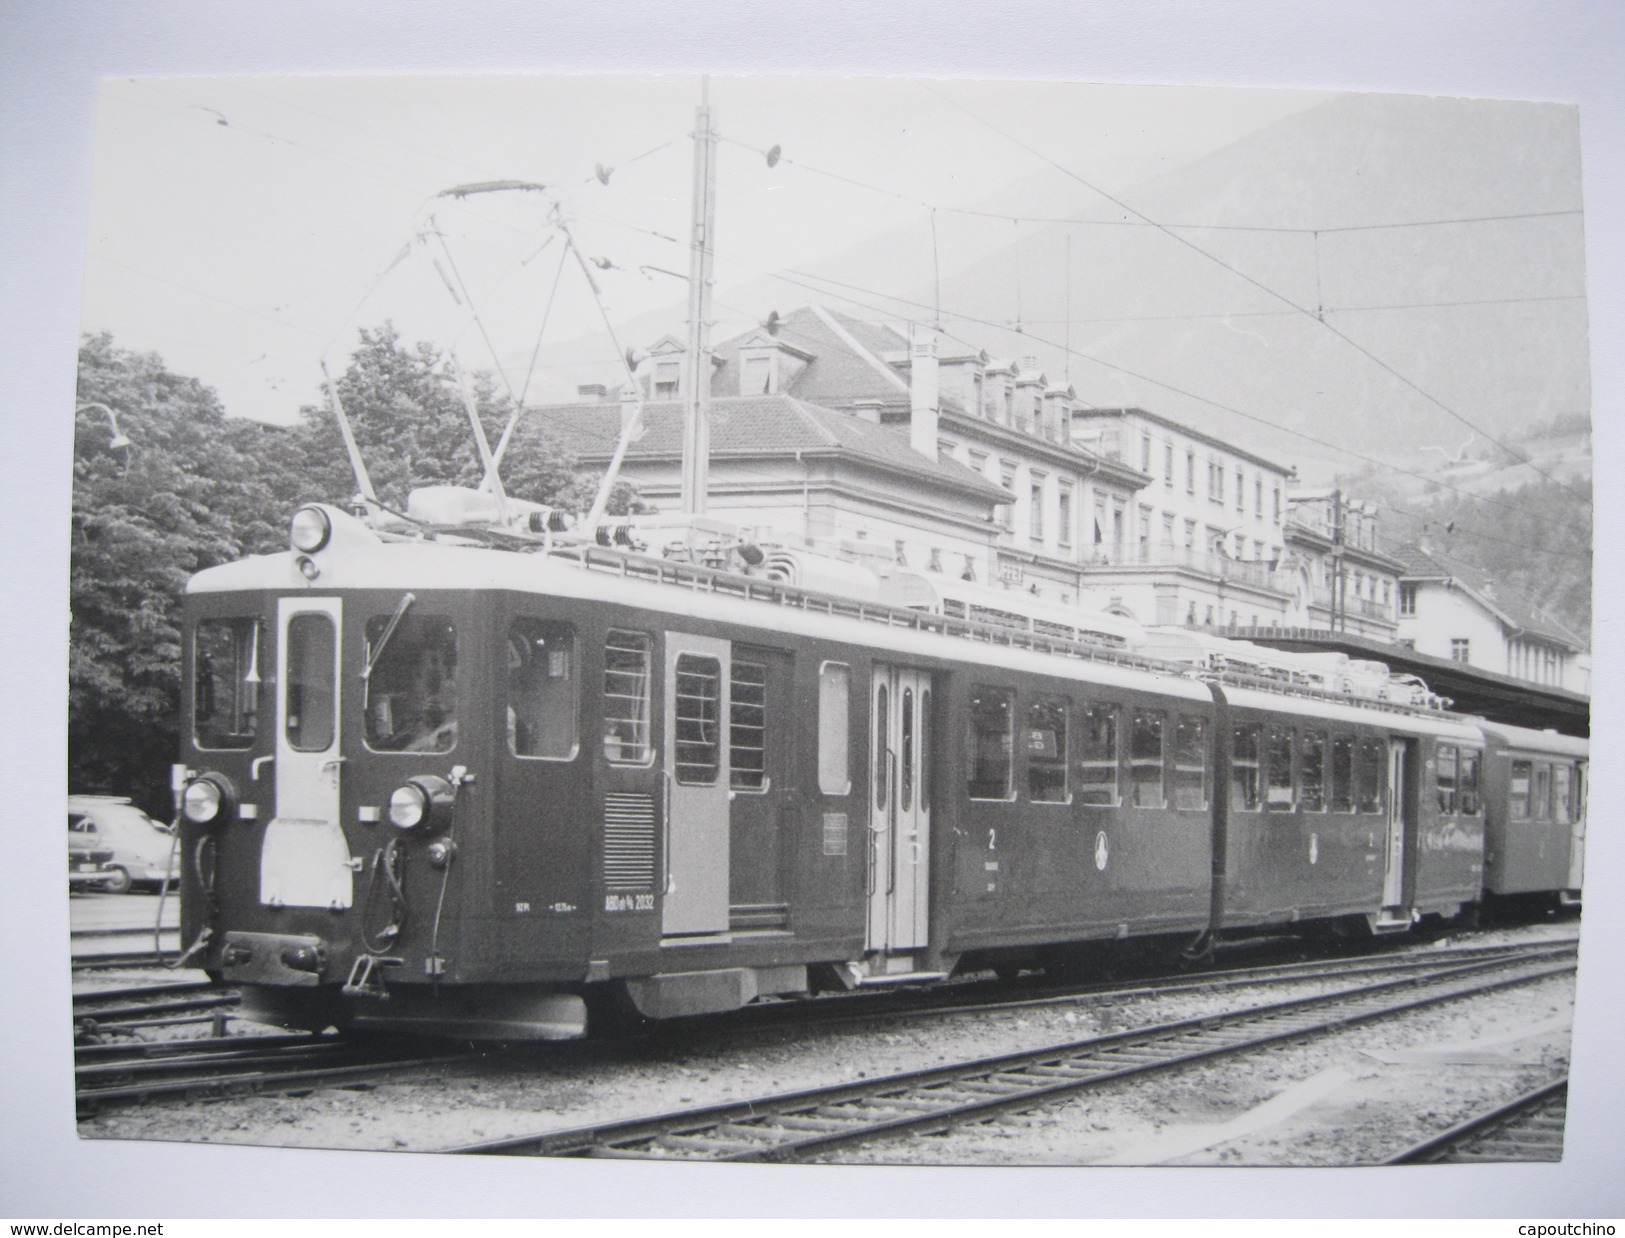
(408, 805)
(422, 801)
(203, 801)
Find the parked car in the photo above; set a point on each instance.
(87, 866)
(143, 852)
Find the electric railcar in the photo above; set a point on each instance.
(437, 783)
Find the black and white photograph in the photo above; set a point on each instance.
(844, 625)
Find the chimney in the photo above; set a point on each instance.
(923, 399)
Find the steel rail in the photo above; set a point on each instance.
(1529, 1128)
(267, 1071)
(810, 1121)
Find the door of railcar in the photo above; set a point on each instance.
(1577, 831)
(696, 751)
(761, 730)
(899, 809)
(1399, 825)
(305, 860)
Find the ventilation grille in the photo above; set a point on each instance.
(629, 842)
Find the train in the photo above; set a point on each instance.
(458, 772)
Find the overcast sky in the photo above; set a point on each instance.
(239, 226)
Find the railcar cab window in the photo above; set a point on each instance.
(626, 698)
(412, 686)
(1340, 794)
(1312, 772)
(1145, 759)
(834, 723)
(1278, 757)
(1246, 785)
(312, 665)
(989, 742)
(1046, 752)
(1369, 767)
(1097, 755)
(225, 683)
(1190, 764)
(542, 690)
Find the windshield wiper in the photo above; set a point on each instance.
(383, 641)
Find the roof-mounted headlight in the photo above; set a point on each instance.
(310, 530)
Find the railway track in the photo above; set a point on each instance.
(986, 996)
(144, 1007)
(1529, 1128)
(235, 1065)
(812, 1122)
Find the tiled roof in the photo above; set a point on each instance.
(764, 425)
(835, 374)
(1510, 606)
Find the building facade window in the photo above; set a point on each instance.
(1063, 523)
(1035, 511)
(1459, 648)
(1168, 466)
(1190, 472)
(1407, 599)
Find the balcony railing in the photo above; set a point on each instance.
(1366, 608)
(1247, 571)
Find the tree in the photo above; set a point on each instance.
(145, 517)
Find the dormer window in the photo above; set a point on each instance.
(757, 374)
(668, 379)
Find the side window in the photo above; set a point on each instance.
(698, 716)
(1245, 781)
(988, 742)
(1560, 795)
(626, 698)
(834, 721)
(747, 727)
(1046, 751)
(1279, 762)
(1190, 763)
(542, 690)
(1312, 771)
(880, 767)
(1097, 755)
(225, 683)
(1145, 759)
(1468, 801)
(312, 663)
(1518, 791)
(1540, 805)
(1368, 775)
(905, 755)
(1446, 779)
(1340, 794)
(925, 749)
